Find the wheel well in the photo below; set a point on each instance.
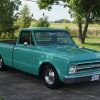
(42, 68)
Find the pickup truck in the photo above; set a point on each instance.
(51, 54)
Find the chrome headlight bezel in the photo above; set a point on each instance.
(72, 68)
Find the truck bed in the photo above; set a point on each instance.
(8, 41)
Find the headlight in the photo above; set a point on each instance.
(72, 69)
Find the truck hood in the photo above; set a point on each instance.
(73, 53)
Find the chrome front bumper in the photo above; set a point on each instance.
(78, 79)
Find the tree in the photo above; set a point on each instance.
(24, 19)
(83, 11)
(7, 10)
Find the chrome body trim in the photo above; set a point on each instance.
(89, 62)
(82, 75)
(89, 67)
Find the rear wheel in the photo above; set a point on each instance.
(50, 77)
(2, 66)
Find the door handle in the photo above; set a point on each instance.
(16, 49)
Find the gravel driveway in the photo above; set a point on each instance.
(17, 85)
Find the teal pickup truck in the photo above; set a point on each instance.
(52, 55)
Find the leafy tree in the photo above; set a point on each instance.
(7, 10)
(24, 19)
(83, 11)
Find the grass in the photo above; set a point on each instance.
(73, 26)
(1, 98)
(92, 43)
(63, 25)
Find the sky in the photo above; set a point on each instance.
(57, 12)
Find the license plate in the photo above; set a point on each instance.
(95, 77)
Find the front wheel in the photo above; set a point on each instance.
(2, 66)
(50, 77)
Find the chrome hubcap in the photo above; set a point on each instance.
(50, 76)
(0, 63)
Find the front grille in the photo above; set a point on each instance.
(88, 66)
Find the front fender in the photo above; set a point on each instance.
(60, 64)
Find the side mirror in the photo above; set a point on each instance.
(25, 43)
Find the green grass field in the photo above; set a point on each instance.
(92, 27)
(93, 42)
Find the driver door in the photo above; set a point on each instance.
(23, 56)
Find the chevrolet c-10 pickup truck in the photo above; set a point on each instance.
(52, 55)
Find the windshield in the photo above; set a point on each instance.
(53, 38)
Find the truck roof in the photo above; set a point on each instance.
(43, 29)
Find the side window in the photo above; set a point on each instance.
(25, 37)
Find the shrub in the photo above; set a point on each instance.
(43, 22)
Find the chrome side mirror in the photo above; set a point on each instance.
(25, 43)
